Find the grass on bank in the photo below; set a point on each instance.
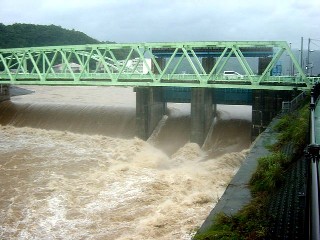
(251, 222)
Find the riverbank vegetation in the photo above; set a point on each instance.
(252, 221)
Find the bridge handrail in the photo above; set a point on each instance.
(313, 155)
(181, 76)
(289, 106)
(314, 80)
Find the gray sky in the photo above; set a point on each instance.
(173, 20)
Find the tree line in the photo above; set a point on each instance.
(30, 35)
(21, 35)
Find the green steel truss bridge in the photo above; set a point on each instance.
(150, 64)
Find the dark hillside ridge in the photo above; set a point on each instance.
(29, 35)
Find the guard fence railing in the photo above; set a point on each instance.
(289, 106)
(313, 156)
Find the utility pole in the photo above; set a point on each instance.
(308, 58)
(301, 54)
(291, 69)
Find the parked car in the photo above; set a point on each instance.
(232, 75)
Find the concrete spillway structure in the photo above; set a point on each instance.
(151, 103)
(161, 68)
(151, 106)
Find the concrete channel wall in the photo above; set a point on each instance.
(238, 194)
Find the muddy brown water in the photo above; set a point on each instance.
(71, 167)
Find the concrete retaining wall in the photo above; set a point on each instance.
(266, 104)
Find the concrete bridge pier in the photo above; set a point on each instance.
(150, 105)
(202, 109)
(4, 92)
(208, 63)
(150, 109)
(161, 62)
(263, 64)
(201, 114)
(266, 104)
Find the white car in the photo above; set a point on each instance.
(232, 75)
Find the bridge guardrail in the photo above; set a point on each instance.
(289, 106)
(314, 80)
(203, 78)
(313, 155)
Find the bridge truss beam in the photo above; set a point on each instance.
(137, 65)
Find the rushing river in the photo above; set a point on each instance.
(71, 168)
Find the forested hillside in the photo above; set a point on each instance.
(30, 35)
(20, 35)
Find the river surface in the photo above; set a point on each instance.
(72, 168)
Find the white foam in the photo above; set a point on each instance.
(228, 112)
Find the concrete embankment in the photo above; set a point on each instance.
(237, 194)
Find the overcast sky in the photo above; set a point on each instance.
(173, 20)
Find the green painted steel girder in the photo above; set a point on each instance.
(135, 64)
